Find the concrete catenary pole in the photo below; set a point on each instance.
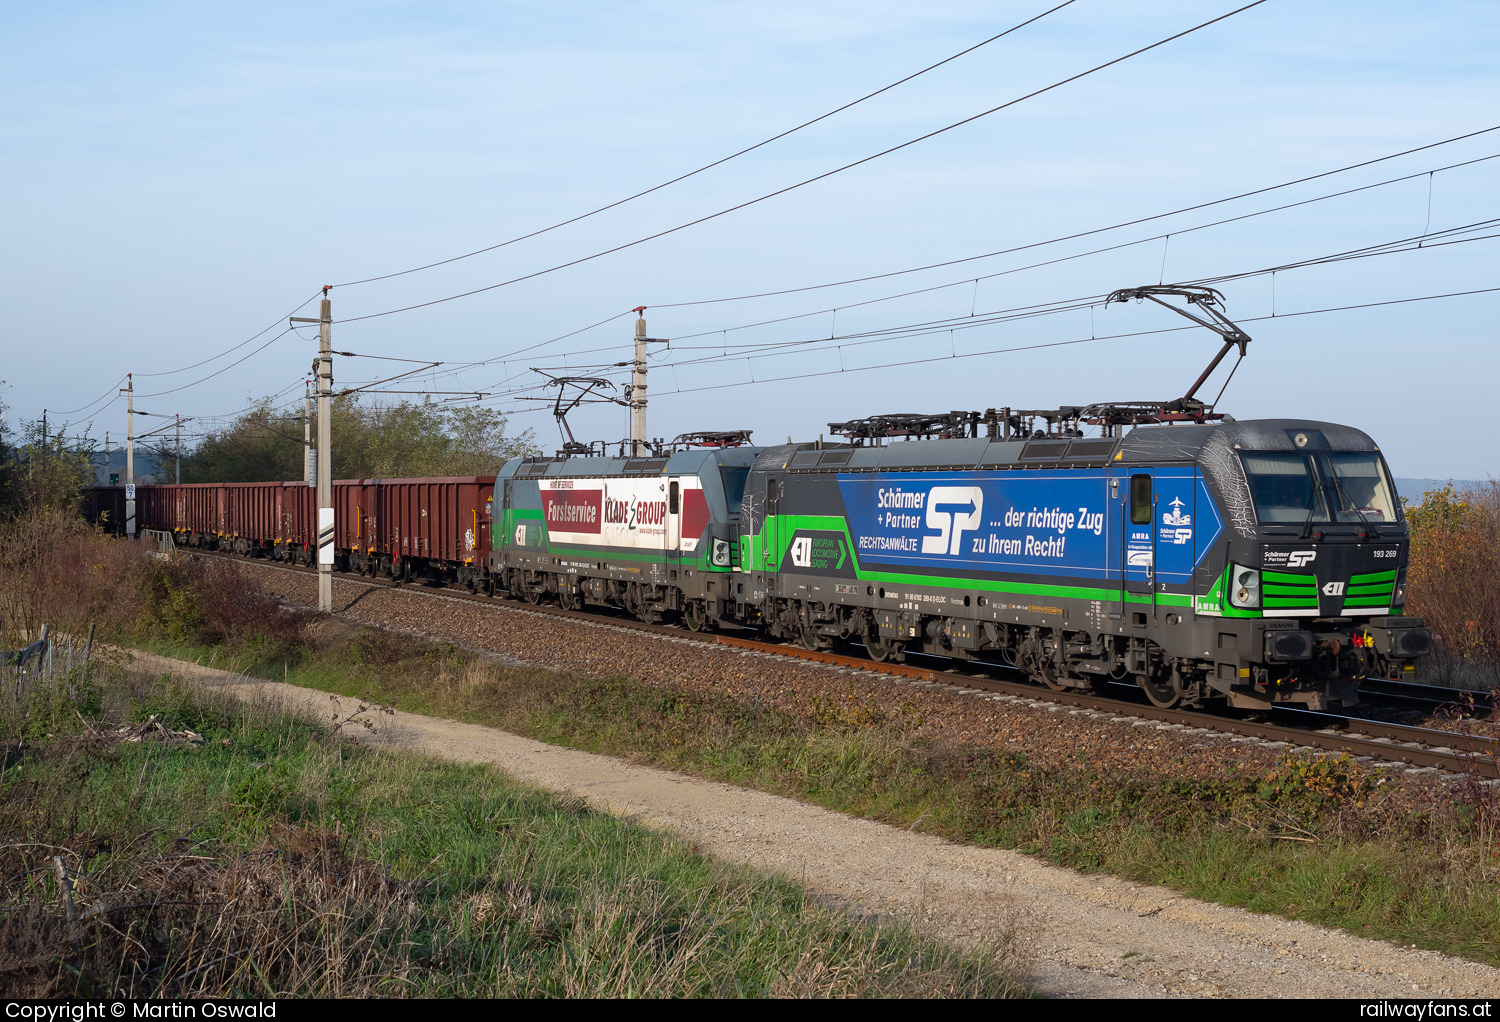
(307, 456)
(324, 366)
(129, 391)
(640, 441)
(178, 417)
(325, 456)
(129, 429)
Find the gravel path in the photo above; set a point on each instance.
(1093, 936)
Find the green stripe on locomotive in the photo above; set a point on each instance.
(756, 554)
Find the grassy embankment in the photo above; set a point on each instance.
(267, 855)
(275, 858)
(1319, 840)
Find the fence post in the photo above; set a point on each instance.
(87, 651)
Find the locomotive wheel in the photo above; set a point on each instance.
(569, 601)
(1049, 675)
(1162, 692)
(533, 595)
(693, 617)
(882, 649)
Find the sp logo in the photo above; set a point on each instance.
(802, 552)
(1298, 558)
(952, 510)
(1333, 588)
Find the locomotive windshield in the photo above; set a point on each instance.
(734, 485)
(1298, 488)
(1362, 489)
(1284, 488)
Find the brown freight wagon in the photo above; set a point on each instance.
(418, 528)
(407, 529)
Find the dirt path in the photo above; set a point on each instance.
(1093, 936)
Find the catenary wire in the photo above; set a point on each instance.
(807, 181)
(225, 369)
(1080, 234)
(258, 334)
(819, 345)
(114, 390)
(715, 163)
(457, 369)
(1058, 344)
(1077, 255)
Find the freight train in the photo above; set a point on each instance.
(1246, 563)
(1203, 560)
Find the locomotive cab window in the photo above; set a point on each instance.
(734, 486)
(673, 498)
(1140, 500)
(770, 497)
(1362, 491)
(1285, 488)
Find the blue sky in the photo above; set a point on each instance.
(180, 176)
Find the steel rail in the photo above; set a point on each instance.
(1459, 753)
(1480, 703)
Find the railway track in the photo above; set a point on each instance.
(1418, 747)
(1430, 699)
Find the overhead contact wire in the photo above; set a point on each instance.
(819, 177)
(715, 163)
(1088, 233)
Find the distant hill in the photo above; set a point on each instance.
(148, 466)
(1413, 489)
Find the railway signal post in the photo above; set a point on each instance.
(325, 461)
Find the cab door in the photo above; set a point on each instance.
(1133, 499)
(674, 519)
(770, 527)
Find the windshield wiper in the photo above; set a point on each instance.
(1344, 499)
(1307, 522)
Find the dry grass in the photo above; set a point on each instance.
(1454, 581)
(56, 570)
(238, 851)
(1318, 838)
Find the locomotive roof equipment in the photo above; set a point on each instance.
(711, 438)
(584, 386)
(1065, 421)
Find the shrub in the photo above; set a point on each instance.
(1454, 578)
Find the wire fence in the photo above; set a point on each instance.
(45, 660)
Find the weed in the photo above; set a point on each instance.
(269, 858)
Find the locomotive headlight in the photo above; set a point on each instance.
(1398, 598)
(1244, 587)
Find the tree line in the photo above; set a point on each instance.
(41, 466)
(370, 440)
